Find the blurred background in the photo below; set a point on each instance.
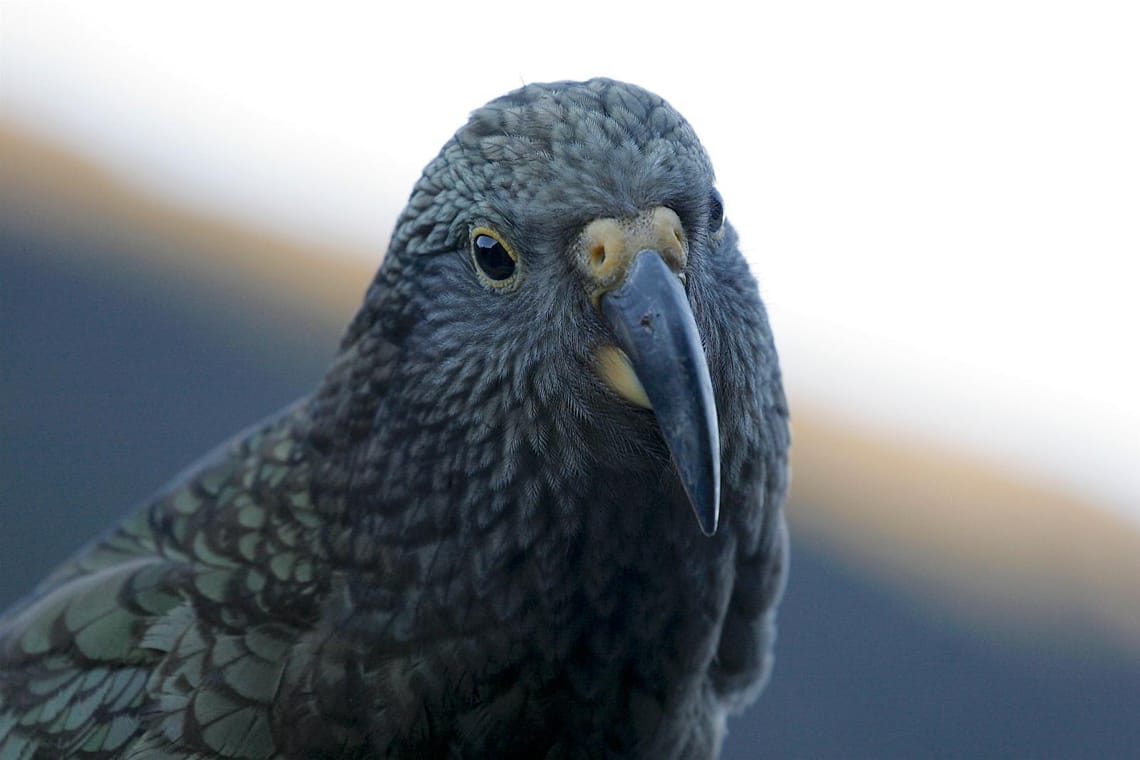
(940, 204)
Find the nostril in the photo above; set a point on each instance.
(597, 255)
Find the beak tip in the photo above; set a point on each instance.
(707, 510)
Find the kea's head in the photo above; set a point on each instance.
(559, 299)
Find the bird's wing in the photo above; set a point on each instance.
(142, 673)
(109, 656)
(71, 676)
(212, 692)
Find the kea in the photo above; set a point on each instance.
(533, 510)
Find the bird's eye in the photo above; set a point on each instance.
(495, 261)
(716, 215)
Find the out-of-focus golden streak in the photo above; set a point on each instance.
(959, 532)
(54, 187)
(988, 544)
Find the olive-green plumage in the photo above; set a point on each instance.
(476, 538)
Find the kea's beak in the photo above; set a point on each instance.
(644, 302)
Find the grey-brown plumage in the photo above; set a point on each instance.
(476, 538)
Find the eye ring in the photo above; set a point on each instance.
(716, 215)
(495, 260)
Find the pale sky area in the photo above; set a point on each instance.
(941, 201)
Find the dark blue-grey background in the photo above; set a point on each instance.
(113, 377)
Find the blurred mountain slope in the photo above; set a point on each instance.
(136, 336)
(956, 531)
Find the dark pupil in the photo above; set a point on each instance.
(493, 258)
